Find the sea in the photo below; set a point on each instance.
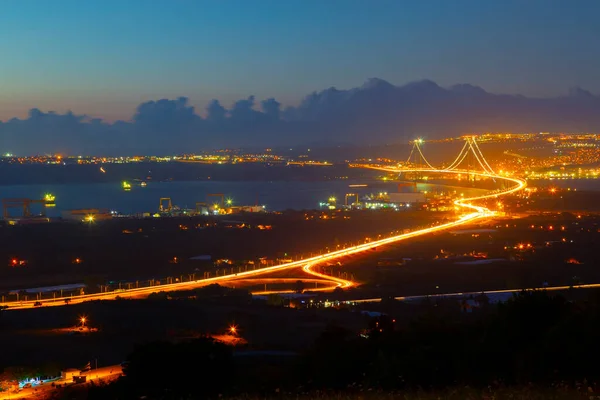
(275, 195)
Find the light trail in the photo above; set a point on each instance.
(479, 213)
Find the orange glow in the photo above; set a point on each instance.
(475, 213)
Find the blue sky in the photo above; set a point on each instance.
(105, 57)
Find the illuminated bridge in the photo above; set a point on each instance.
(419, 164)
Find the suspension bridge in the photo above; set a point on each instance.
(416, 163)
(469, 153)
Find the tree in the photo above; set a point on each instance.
(19, 373)
(193, 369)
(338, 291)
(299, 286)
(482, 299)
(7, 381)
(162, 295)
(50, 369)
(337, 358)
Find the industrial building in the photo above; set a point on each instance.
(86, 215)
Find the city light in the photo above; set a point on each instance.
(476, 213)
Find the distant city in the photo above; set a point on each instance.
(536, 155)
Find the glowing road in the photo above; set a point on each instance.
(477, 213)
(48, 390)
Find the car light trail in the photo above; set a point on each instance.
(307, 264)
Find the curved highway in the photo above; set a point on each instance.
(478, 213)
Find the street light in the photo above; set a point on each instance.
(233, 329)
(83, 320)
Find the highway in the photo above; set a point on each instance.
(478, 213)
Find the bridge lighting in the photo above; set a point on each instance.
(477, 213)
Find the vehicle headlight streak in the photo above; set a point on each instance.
(307, 264)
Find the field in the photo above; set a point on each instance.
(140, 249)
(559, 249)
(34, 339)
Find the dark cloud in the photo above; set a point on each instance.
(243, 111)
(215, 111)
(271, 108)
(376, 112)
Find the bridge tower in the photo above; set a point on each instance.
(417, 160)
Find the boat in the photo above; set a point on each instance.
(143, 184)
(126, 186)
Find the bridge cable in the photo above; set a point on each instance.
(411, 152)
(479, 160)
(481, 153)
(458, 159)
(423, 157)
(455, 166)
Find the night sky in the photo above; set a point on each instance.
(103, 58)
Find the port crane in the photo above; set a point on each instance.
(219, 195)
(23, 204)
(352, 196)
(161, 203)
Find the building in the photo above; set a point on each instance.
(86, 215)
(69, 374)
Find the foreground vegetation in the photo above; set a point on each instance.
(534, 346)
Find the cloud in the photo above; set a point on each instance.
(215, 111)
(376, 112)
(271, 108)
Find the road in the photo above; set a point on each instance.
(43, 391)
(486, 292)
(478, 213)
